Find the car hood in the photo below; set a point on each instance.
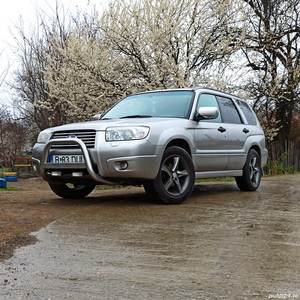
(103, 124)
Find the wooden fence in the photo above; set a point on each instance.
(283, 159)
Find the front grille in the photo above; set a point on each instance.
(87, 136)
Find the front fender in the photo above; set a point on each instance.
(170, 134)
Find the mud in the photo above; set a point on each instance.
(220, 244)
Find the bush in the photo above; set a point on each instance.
(278, 166)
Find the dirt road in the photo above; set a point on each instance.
(220, 244)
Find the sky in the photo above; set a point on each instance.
(12, 11)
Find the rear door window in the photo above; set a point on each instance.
(229, 111)
(247, 111)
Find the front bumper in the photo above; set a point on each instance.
(113, 164)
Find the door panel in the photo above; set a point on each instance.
(212, 147)
(237, 133)
(211, 139)
(236, 145)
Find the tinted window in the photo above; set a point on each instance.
(247, 112)
(207, 100)
(229, 111)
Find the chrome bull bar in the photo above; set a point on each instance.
(85, 153)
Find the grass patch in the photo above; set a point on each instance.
(108, 187)
(9, 189)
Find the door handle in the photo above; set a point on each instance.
(221, 129)
(245, 130)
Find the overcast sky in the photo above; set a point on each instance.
(12, 10)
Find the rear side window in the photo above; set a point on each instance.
(228, 111)
(247, 112)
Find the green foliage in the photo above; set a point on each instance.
(278, 166)
(9, 189)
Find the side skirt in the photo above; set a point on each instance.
(213, 174)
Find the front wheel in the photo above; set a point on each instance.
(250, 180)
(176, 177)
(71, 191)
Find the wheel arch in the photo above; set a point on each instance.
(180, 143)
(257, 149)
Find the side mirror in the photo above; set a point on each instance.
(97, 117)
(207, 113)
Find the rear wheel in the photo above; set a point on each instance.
(71, 191)
(176, 177)
(250, 180)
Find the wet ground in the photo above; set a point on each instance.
(220, 244)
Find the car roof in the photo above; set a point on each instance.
(191, 89)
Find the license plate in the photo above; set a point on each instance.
(66, 159)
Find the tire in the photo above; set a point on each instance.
(150, 191)
(176, 177)
(250, 180)
(76, 192)
(148, 187)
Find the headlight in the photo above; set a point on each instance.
(44, 136)
(126, 133)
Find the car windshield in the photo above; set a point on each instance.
(170, 104)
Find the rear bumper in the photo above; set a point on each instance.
(264, 157)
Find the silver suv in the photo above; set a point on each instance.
(162, 139)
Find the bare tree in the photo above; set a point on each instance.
(34, 50)
(12, 136)
(3, 73)
(272, 50)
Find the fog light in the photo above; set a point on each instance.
(124, 165)
(77, 174)
(56, 173)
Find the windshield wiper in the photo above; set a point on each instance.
(137, 116)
